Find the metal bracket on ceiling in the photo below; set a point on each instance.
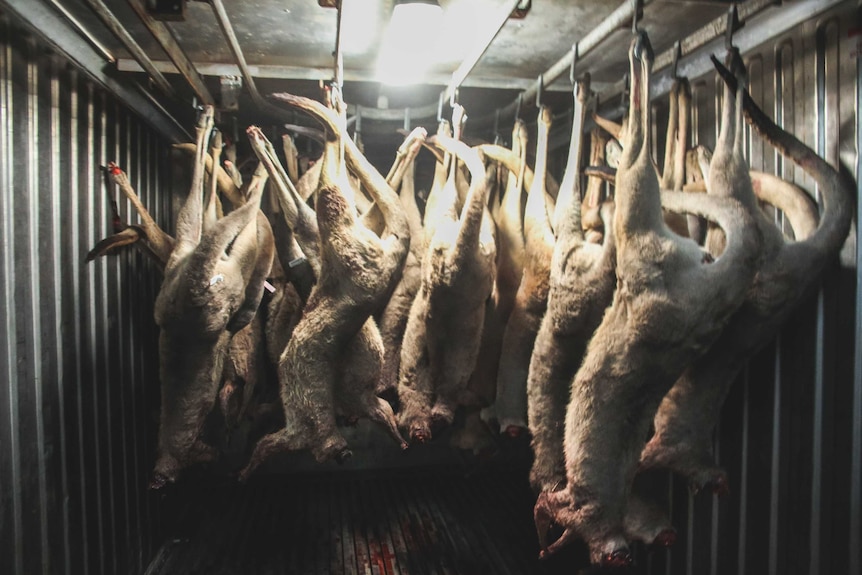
(637, 14)
(733, 25)
(540, 87)
(677, 53)
(406, 119)
(518, 104)
(167, 10)
(230, 88)
(574, 63)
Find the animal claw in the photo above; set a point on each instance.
(542, 518)
(618, 558)
(514, 431)
(719, 485)
(343, 455)
(420, 435)
(158, 481)
(666, 538)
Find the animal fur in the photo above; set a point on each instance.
(444, 328)
(532, 297)
(393, 320)
(357, 269)
(581, 286)
(788, 273)
(670, 304)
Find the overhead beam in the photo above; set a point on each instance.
(479, 48)
(53, 29)
(278, 72)
(175, 52)
(130, 44)
(761, 25)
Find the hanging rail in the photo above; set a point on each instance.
(233, 43)
(619, 18)
(131, 45)
(709, 33)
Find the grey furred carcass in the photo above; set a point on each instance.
(444, 328)
(581, 286)
(788, 273)
(361, 365)
(358, 270)
(532, 296)
(393, 318)
(213, 285)
(670, 304)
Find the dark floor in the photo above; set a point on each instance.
(431, 521)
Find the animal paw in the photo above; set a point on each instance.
(343, 456)
(666, 538)
(514, 431)
(719, 485)
(441, 416)
(617, 559)
(420, 434)
(158, 481)
(334, 448)
(713, 479)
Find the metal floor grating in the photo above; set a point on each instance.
(402, 522)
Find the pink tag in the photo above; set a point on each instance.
(269, 287)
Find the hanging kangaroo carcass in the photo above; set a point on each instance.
(393, 319)
(670, 304)
(213, 284)
(357, 270)
(361, 366)
(581, 287)
(532, 297)
(788, 273)
(444, 329)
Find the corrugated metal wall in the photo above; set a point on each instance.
(79, 387)
(79, 395)
(788, 436)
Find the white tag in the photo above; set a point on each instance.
(269, 287)
(216, 279)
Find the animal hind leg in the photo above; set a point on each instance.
(646, 522)
(263, 265)
(379, 411)
(279, 442)
(415, 382)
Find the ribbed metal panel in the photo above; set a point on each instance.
(78, 342)
(790, 432)
(78, 370)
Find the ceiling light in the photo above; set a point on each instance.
(406, 52)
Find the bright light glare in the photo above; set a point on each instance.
(359, 25)
(407, 51)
